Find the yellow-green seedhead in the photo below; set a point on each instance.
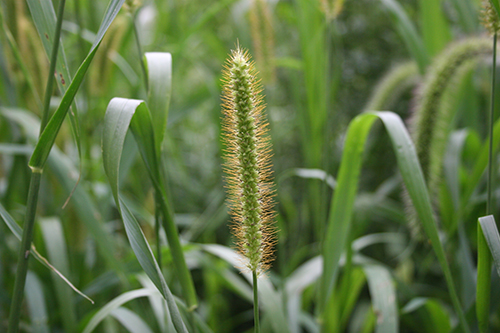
(248, 161)
(489, 17)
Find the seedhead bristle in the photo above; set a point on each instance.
(248, 161)
(489, 17)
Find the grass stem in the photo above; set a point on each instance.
(22, 264)
(52, 68)
(490, 124)
(255, 303)
(32, 203)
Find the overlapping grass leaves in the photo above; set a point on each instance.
(343, 201)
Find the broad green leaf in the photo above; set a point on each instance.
(409, 33)
(18, 233)
(435, 29)
(55, 245)
(340, 218)
(131, 321)
(384, 298)
(270, 298)
(35, 300)
(120, 115)
(159, 69)
(115, 304)
(49, 135)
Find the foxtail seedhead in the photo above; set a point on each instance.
(248, 161)
(489, 17)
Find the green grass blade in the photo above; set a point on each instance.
(120, 115)
(36, 304)
(492, 238)
(115, 304)
(384, 298)
(485, 225)
(430, 315)
(148, 263)
(131, 321)
(435, 30)
(159, 70)
(49, 135)
(55, 244)
(409, 33)
(343, 200)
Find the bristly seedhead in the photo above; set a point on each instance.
(248, 161)
(489, 17)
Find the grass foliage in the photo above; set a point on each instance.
(111, 153)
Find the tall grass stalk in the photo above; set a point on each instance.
(32, 203)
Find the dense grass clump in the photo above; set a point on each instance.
(115, 207)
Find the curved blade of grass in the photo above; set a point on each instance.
(55, 244)
(347, 183)
(384, 298)
(18, 232)
(159, 71)
(36, 304)
(435, 30)
(50, 132)
(409, 33)
(120, 115)
(310, 174)
(431, 315)
(485, 226)
(115, 304)
(270, 298)
(492, 238)
(131, 321)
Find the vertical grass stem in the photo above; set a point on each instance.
(22, 265)
(52, 68)
(255, 303)
(32, 203)
(490, 130)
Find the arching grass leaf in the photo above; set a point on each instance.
(343, 201)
